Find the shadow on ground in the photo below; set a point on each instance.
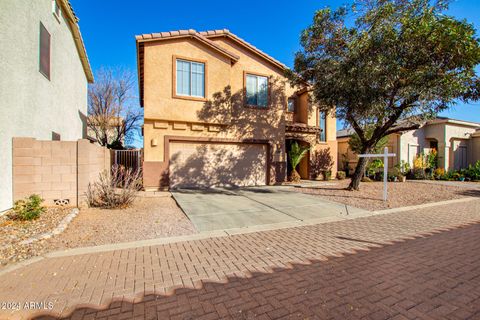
(430, 277)
(470, 193)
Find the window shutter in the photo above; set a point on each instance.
(44, 51)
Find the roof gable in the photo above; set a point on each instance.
(203, 37)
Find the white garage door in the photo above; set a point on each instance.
(201, 165)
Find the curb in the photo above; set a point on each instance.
(221, 233)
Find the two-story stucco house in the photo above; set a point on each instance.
(44, 73)
(219, 112)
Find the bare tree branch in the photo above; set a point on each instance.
(112, 120)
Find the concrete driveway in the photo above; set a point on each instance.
(220, 209)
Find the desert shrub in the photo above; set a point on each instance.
(403, 167)
(473, 171)
(341, 175)
(374, 167)
(117, 189)
(327, 175)
(392, 176)
(420, 161)
(439, 173)
(431, 159)
(456, 175)
(419, 174)
(28, 209)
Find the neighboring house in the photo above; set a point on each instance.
(219, 112)
(456, 141)
(44, 72)
(104, 129)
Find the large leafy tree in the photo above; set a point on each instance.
(397, 63)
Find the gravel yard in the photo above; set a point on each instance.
(147, 218)
(12, 232)
(399, 194)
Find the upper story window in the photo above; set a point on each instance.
(56, 9)
(322, 119)
(44, 51)
(291, 105)
(190, 77)
(256, 89)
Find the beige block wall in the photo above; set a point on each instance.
(56, 169)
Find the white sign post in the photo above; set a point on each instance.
(385, 156)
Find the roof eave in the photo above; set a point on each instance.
(77, 38)
(141, 38)
(253, 49)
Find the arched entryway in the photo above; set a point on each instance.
(303, 168)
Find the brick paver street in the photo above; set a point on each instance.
(422, 264)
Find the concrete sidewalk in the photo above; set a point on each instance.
(219, 209)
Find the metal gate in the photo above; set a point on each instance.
(128, 158)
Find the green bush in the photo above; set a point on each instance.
(28, 209)
(374, 167)
(473, 171)
(419, 174)
(327, 175)
(341, 175)
(403, 167)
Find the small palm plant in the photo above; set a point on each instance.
(296, 155)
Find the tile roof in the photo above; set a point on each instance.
(185, 34)
(227, 33)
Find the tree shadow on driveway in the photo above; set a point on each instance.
(433, 277)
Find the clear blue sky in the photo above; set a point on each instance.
(109, 27)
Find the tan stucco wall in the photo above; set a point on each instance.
(222, 115)
(345, 154)
(30, 104)
(456, 135)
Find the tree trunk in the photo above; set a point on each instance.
(357, 175)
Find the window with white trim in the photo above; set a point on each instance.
(257, 90)
(190, 78)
